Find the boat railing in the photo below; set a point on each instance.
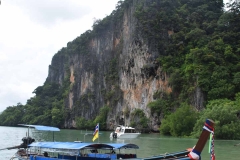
(85, 157)
(126, 156)
(34, 157)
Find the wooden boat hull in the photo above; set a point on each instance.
(178, 155)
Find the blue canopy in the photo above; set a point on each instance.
(73, 145)
(123, 145)
(41, 128)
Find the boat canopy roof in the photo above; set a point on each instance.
(125, 127)
(41, 128)
(74, 145)
(124, 146)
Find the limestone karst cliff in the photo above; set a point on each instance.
(118, 69)
(126, 60)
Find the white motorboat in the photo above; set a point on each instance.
(124, 132)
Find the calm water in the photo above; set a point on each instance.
(150, 144)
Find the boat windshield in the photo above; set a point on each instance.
(130, 131)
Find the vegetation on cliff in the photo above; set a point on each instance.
(202, 52)
(198, 47)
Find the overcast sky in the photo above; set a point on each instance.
(31, 32)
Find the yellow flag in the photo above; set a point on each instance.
(95, 137)
(95, 134)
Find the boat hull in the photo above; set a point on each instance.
(129, 135)
(124, 135)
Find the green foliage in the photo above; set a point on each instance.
(165, 127)
(236, 80)
(138, 112)
(159, 106)
(225, 115)
(176, 80)
(237, 98)
(46, 108)
(101, 27)
(83, 123)
(112, 94)
(144, 122)
(180, 123)
(133, 124)
(156, 106)
(162, 105)
(12, 115)
(57, 117)
(197, 53)
(139, 119)
(126, 112)
(80, 45)
(102, 117)
(112, 75)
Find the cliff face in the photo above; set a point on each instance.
(139, 74)
(119, 70)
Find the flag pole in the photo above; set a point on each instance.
(98, 132)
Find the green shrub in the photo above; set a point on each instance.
(82, 123)
(139, 119)
(225, 115)
(102, 117)
(181, 122)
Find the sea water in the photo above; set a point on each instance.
(149, 144)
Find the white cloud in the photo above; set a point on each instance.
(31, 32)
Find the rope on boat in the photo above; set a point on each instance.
(167, 154)
(13, 157)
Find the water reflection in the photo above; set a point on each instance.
(114, 140)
